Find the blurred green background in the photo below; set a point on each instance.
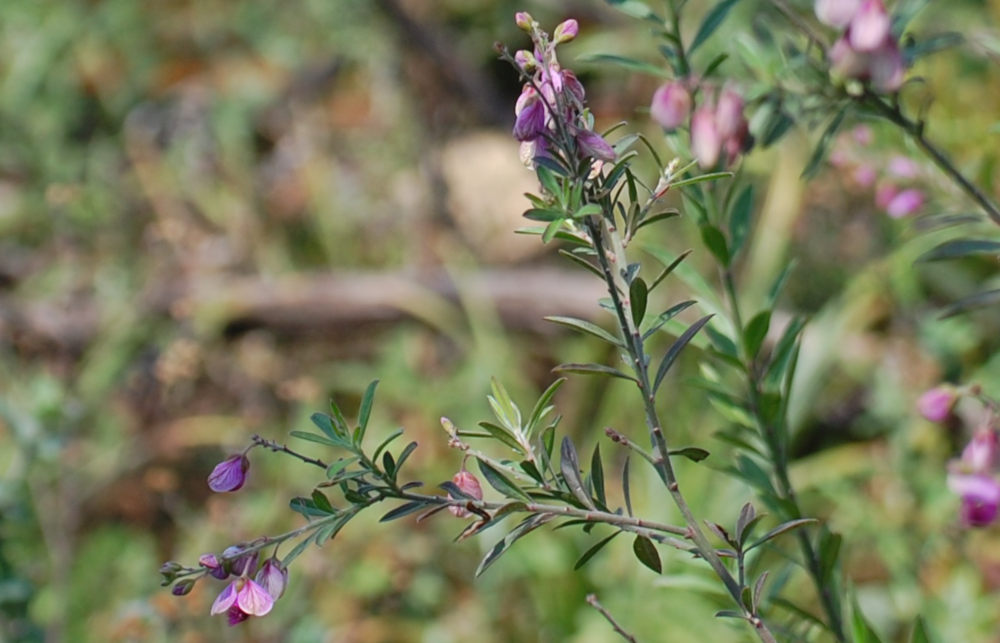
(217, 215)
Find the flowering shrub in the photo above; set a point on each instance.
(594, 199)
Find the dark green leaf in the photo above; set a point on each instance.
(525, 527)
(389, 464)
(729, 614)
(539, 410)
(780, 357)
(597, 475)
(455, 491)
(739, 220)
(695, 454)
(747, 514)
(712, 66)
(634, 8)
(296, 552)
(829, 552)
(714, 240)
(780, 529)
(587, 210)
(625, 487)
(701, 178)
(306, 507)
(322, 502)
(711, 22)
(659, 216)
(931, 45)
(592, 369)
(325, 424)
(366, 408)
(539, 214)
(529, 467)
(339, 420)
(646, 552)
(587, 555)
(973, 302)
(403, 510)
(750, 471)
(799, 612)
(755, 333)
(638, 293)
(666, 316)
(552, 165)
(314, 437)
(580, 261)
(548, 180)
(920, 632)
(819, 153)
(669, 268)
(676, 348)
(403, 456)
(957, 248)
(551, 230)
(723, 344)
(586, 327)
(569, 465)
(779, 284)
(500, 482)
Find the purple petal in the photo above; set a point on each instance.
(593, 145)
(230, 474)
(272, 577)
(530, 122)
(225, 600)
(980, 487)
(236, 616)
(254, 599)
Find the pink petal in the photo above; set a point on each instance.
(225, 600)
(904, 203)
(254, 599)
(869, 28)
(836, 13)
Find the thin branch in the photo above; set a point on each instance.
(281, 448)
(593, 602)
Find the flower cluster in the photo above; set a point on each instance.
(551, 112)
(718, 126)
(895, 181)
(866, 50)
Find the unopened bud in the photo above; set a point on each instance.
(524, 21)
(525, 60)
(566, 31)
(183, 588)
(836, 13)
(469, 485)
(671, 105)
(705, 140)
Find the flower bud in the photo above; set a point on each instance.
(905, 203)
(980, 497)
(729, 114)
(705, 140)
(529, 113)
(524, 21)
(936, 404)
(565, 31)
(169, 571)
(213, 565)
(468, 484)
(836, 13)
(230, 474)
(525, 60)
(236, 562)
(869, 28)
(183, 588)
(273, 577)
(886, 68)
(845, 62)
(594, 146)
(671, 105)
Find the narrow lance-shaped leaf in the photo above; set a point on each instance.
(499, 482)
(569, 465)
(638, 295)
(586, 327)
(538, 411)
(366, 409)
(819, 153)
(676, 348)
(625, 487)
(587, 555)
(525, 527)
(755, 333)
(958, 248)
(403, 510)
(592, 369)
(597, 475)
(711, 22)
(780, 529)
(739, 220)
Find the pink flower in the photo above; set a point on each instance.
(214, 567)
(980, 497)
(936, 404)
(982, 453)
(864, 175)
(671, 105)
(230, 474)
(846, 62)
(594, 146)
(862, 135)
(905, 203)
(705, 140)
(729, 114)
(884, 194)
(468, 484)
(836, 13)
(273, 577)
(525, 60)
(903, 167)
(530, 116)
(524, 20)
(869, 27)
(247, 596)
(565, 31)
(886, 68)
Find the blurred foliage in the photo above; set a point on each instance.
(159, 161)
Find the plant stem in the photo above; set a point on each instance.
(640, 365)
(593, 602)
(281, 448)
(773, 438)
(915, 130)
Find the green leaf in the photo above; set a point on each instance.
(739, 220)
(920, 632)
(676, 348)
(339, 420)
(544, 214)
(525, 527)
(729, 614)
(389, 464)
(638, 294)
(973, 302)
(587, 210)
(592, 369)
(403, 510)
(587, 555)
(392, 436)
(780, 529)
(819, 153)
(711, 22)
(597, 475)
(755, 333)
(634, 8)
(932, 45)
(829, 552)
(366, 409)
(586, 327)
(694, 454)
(747, 514)
(326, 425)
(781, 357)
(539, 410)
(625, 62)
(410, 448)
(645, 551)
(569, 465)
(307, 507)
(548, 180)
(500, 482)
(701, 178)
(314, 437)
(714, 240)
(957, 248)
(296, 552)
(666, 316)
(860, 627)
(338, 466)
(322, 502)
(502, 434)
(552, 230)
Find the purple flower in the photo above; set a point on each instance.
(886, 68)
(593, 145)
(573, 86)
(214, 567)
(273, 576)
(235, 616)
(982, 453)
(905, 203)
(705, 140)
(529, 123)
(980, 497)
(869, 28)
(247, 596)
(671, 105)
(230, 474)
(183, 588)
(565, 31)
(468, 484)
(836, 13)
(936, 404)
(237, 563)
